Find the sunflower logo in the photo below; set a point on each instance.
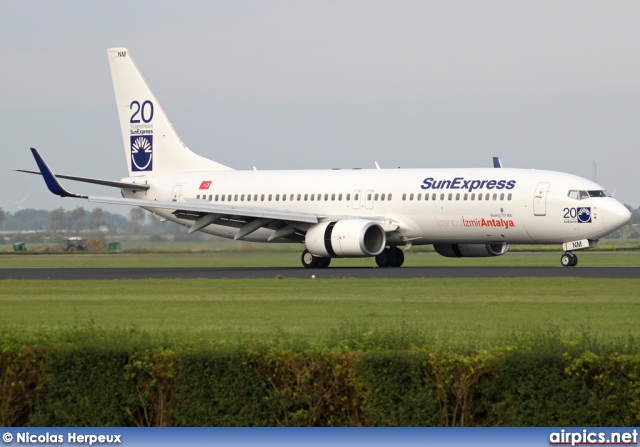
(584, 215)
(141, 153)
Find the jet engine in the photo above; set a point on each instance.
(349, 238)
(471, 250)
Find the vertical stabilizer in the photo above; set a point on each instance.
(151, 144)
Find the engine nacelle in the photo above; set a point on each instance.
(349, 238)
(471, 250)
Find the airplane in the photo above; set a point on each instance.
(350, 213)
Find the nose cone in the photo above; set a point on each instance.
(616, 215)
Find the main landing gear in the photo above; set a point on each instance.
(390, 257)
(311, 262)
(569, 260)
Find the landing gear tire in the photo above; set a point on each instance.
(384, 258)
(397, 257)
(390, 257)
(569, 260)
(311, 262)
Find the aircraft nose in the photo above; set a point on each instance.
(616, 215)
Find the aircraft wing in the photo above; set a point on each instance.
(202, 206)
(203, 213)
(247, 218)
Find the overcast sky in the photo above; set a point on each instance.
(321, 84)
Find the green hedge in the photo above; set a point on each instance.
(80, 383)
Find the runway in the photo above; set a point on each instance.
(327, 273)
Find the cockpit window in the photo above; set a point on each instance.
(582, 195)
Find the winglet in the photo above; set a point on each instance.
(496, 162)
(50, 179)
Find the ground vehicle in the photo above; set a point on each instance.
(73, 244)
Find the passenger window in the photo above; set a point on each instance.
(410, 196)
(442, 196)
(419, 196)
(466, 196)
(333, 197)
(248, 197)
(299, 197)
(509, 196)
(305, 197)
(326, 197)
(348, 197)
(382, 197)
(340, 197)
(198, 196)
(495, 196)
(277, 197)
(389, 198)
(502, 196)
(458, 196)
(210, 197)
(404, 196)
(450, 196)
(375, 197)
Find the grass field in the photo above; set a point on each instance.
(441, 311)
(291, 258)
(460, 312)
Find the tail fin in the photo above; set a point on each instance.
(151, 144)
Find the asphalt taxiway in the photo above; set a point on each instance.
(299, 272)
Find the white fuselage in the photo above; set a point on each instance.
(429, 205)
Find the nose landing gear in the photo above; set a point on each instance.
(569, 260)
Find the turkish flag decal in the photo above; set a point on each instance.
(205, 184)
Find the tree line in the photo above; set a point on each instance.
(79, 219)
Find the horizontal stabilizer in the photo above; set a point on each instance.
(94, 181)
